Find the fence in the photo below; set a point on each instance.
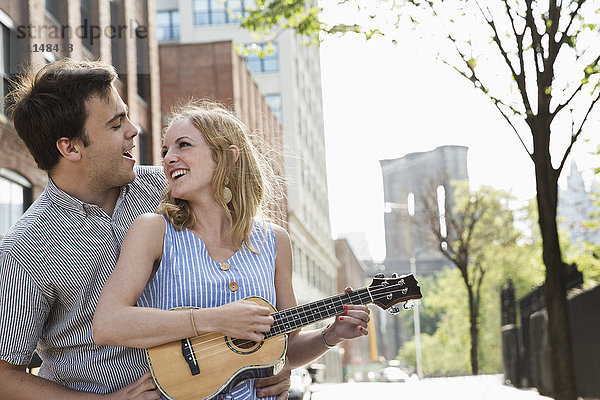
(526, 352)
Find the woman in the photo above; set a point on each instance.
(206, 248)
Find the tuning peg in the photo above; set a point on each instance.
(394, 275)
(408, 304)
(379, 275)
(394, 310)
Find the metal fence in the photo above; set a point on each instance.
(526, 352)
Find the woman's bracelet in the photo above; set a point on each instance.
(193, 323)
(323, 338)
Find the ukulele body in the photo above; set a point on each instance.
(211, 365)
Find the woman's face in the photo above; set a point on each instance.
(187, 161)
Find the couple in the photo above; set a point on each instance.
(204, 248)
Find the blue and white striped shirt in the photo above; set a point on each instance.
(189, 277)
(53, 264)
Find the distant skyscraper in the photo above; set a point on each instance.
(404, 181)
(575, 206)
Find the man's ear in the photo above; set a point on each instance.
(235, 151)
(69, 148)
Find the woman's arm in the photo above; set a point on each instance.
(305, 346)
(118, 322)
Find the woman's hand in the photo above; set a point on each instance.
(242, 319)
(353, 323)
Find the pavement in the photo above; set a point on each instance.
(481, 387)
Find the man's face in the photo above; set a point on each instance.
(110, 134)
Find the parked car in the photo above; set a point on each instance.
(394, 374)
(300, 382)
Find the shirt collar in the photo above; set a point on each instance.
(68, 202)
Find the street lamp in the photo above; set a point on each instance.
(417, 323)
(409, 207)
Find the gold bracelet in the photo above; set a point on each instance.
(193, 323)
(323, 338)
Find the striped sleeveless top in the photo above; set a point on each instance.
(188, 277)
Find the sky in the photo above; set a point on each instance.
(383, 101)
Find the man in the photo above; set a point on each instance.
(55, 259)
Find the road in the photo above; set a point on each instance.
(483, 387)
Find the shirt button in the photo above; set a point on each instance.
(224, 266)
(233, 286)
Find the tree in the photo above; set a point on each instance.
(508, 252)
(471, 222)
(547, 55)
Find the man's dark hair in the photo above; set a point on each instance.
(50, 104)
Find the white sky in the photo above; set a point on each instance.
(383, 101)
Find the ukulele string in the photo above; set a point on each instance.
(374, 293)
(225, 349)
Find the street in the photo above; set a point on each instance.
(483, 387)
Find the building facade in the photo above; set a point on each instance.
(404, 181)
(290, 80)
(35, 32)
(359, 353)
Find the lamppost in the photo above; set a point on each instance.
(410, 209)
(417, 323)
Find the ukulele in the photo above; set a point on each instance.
(210, 365)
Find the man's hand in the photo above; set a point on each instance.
(16, 384)
(142, 389)
(276, 385)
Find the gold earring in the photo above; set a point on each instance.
(226, 192)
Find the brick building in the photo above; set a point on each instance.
(35, 32)
(358, 353)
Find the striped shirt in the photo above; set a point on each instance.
(189, 277)
(53, 264)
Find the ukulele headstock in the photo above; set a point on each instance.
(387, 292)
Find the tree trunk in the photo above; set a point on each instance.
(473, 315)
(561, 355)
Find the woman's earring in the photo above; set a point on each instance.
(226, 193)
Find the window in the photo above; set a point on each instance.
(15, 197)
(274, 101)
(115, 40)
(55, 7)
(86, 20)
(144, 147)
(8, 48)
(4, 63)
(268, 63)
(208, 12)
(167, 24)
(143, 77)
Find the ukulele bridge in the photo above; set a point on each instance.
(189, 356)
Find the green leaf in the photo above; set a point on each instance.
(472, 63)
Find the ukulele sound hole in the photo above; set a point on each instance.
(242, 346)
(243, 343)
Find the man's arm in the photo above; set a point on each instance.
(16, 384)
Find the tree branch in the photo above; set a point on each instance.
(551, 30)
(535, 38)
(572, 16)
(518, 77)
(576, 135)
(497, 102)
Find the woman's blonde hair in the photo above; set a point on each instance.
(250, 178)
